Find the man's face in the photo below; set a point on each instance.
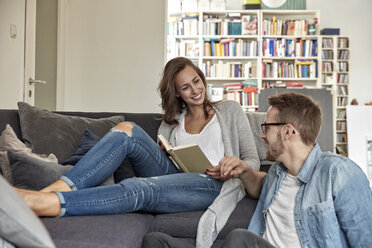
(272, 136)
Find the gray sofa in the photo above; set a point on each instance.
(127, 230)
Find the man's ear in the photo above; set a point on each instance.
(289, 131)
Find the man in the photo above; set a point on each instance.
(309, 198)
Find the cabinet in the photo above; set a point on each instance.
(243, 51)
(335, 76)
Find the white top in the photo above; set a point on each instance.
(209, 139)
(280, 226)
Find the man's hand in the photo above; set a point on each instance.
(231, 166)
(228, 167)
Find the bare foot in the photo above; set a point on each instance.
(58, 185)
(42, 203)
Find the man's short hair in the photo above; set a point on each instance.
(301, 111)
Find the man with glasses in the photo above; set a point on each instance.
(309, 198)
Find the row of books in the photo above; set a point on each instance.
(184, 48)
(341, 114)
(341, 149)
(343, 43)
(230, 47)
(327, 43)
(229, 69)
(327, 54)
(327, 66)
(342, 78)
(341, 101)
(341, 126)
(304, 47)
(281, 84)
(341, 137)
(300, 69)
(245, 95)
(231, 24)
(342, 66)
(342, 90)
(327, 78)
(275, 26)
(186, 25)
(343, 54)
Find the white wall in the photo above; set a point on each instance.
(11, 53)
(114, 55)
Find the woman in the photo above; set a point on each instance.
(220, 129)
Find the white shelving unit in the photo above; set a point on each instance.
(335, 75)
(299, 65)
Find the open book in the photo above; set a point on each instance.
(188, 158)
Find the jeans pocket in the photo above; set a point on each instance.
(323, 220)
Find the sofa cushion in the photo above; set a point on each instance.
(47, 132)
(174, 224)
(18, 224)
(123, 230)
(88, 140)
(31, 173)
(10, 142)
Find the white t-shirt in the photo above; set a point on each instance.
(280, 226)
(209, 139)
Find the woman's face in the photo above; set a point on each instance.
(190, 87)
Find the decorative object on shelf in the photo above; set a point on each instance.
(330, 31)
(354, 102)
(274, 3)
(251, 4)
(284, 4)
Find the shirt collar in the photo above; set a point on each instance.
(310, 163)
(307, 168)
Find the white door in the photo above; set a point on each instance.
(17, 49)
(30, 37)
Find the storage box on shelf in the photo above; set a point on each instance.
(335, 76)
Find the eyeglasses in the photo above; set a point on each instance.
(264, 126)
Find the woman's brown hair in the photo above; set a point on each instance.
(170, 103)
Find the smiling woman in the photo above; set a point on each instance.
(220, 129)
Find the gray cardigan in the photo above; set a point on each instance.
(236, 131)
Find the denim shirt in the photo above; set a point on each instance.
(333, 206)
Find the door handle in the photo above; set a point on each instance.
(33, 81)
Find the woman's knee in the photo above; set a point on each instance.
(125, 126)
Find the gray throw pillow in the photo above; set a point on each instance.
(19, 225)
(31, 173)
(10, 142)
(47, 132)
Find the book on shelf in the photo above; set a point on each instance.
(188, 158)
(217, 94)
(249, 25)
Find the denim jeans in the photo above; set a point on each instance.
(160, 187)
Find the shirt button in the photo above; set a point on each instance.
(264, 211)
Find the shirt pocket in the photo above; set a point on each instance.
(323, 220)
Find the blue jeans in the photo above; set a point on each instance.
(160, 188)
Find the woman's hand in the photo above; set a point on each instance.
(161, 145)
(228, 167)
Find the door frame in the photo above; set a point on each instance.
(29, 51)
(61, 54)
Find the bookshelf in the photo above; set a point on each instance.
(335, 76)
(243, 51)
